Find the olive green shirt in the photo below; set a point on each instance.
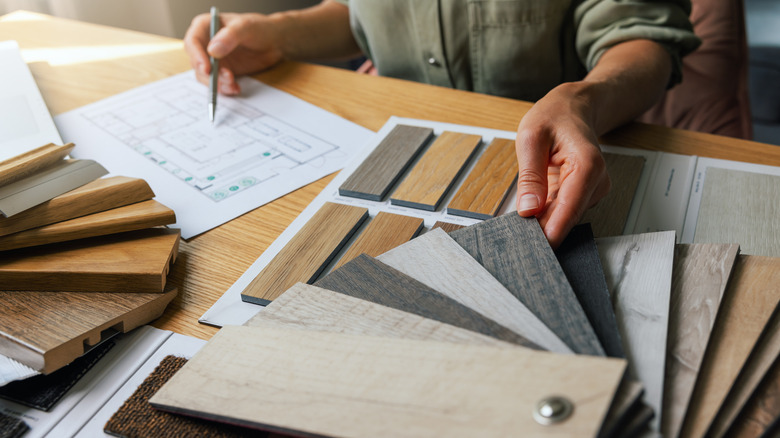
(512, 48)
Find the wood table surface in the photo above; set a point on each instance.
(76, 63)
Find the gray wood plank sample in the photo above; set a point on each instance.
(369, 279)
(514, 250)
(608, 217)
(379, 172)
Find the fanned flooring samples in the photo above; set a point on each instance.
(29, 163)
(383, 233)
(608, 217)
(307, 253)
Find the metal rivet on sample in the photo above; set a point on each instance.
(433, 61)
(552, 410)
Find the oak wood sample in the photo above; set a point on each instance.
(380, 171)
(514, 250)
(30, 162)
(332, 384)
(762, 410)
(446, 226)
(489, 182)
(383, 233)
(100, 195)
(139, 260)
(307, 253)
(434, 174)
(608, 217)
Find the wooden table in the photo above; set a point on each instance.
(76, 64)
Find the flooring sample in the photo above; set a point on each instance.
(699, 278)
(608, 217)
(33, 161)
(638, 426)
(750, 298)
(12, 427)
(332, 384)
(579, 259)
(99, 195)
(101, 264)
(446, 226)
(382, 169)
(308, 253)
(434, 174)
(437, 261)
(737, 207)
(627, 401)
(514, 251)
(383, 233)
(369, 279)
(489, 182)
(638, 269)
(760, 414)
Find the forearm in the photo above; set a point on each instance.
(318, 32)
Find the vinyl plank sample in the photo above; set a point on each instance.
(383, 233)
(382, 169)
(627, 401)
(333, 384)
(446, 226)
(102, 264)
(426, 185)
(608, 217)
(308, 253)
(750, 298)
(437, 261)
(737, 206)
(638, 269)
(514, 251)
(489, 182)
(699, 278)
(30, 162)
(762, 409)
(12, 427)
(579, 259)
(369, 279)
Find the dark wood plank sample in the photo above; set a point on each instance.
(446, 226)
(383, 233)
(608, 217)
(307, 254)
(431, 178)
(489, 182)
(515, 251)
(579, 259)
(369, 279)
(762, 409)
(379, 172)
(12, 427)
(627, 401)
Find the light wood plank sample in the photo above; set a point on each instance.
(307, 253)
(699, 278)
(489, 182)
(48, 330)
(514, 250)
(30, 162)
(99, 264)
(638, 269)
(369, 279)
(145, 214)
(446, 226)
(332, 384)
(383, 233)
(437, 261)
(608, 217)
(740, 207)
(762, 410)
(751, 296)
(99, 195)
(380, 171)
(432, 177)
(579, 259)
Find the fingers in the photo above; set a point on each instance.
(195, 41)
(200, 46)
(533, 155)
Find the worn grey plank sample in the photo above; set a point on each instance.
(515, 251)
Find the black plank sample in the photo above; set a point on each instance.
(12, 427)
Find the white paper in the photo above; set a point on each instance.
(263, 145)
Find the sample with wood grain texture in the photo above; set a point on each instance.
(308, 253)
(515, 251)
(426, 185)
(30, 162)
(446, 226)
(137, 261)
(383, 233)
(608, 217)
(336, 384)
(762, 409)
(12, 427)
(383, 167)
(628, 399)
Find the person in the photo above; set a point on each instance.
(589, 65)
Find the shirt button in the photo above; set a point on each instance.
(432, 61)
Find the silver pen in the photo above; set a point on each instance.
(214, 66)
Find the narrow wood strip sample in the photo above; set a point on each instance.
(754, 196)
(432, 177)
(99, 264)
(99, 195)
(332, 384)
(380, 171)
(489, 182)
(608, 217)
(514, 250)
(437, 261)
(30, 162)
(627, 400)
(383, 233)
(750, 298)
(762, 410)
(307, 253)
(638, 269)
(446, 226)
(699, 278)
(579, 259)
(369, 279)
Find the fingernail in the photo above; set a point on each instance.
(216, 49)
(527, 202)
